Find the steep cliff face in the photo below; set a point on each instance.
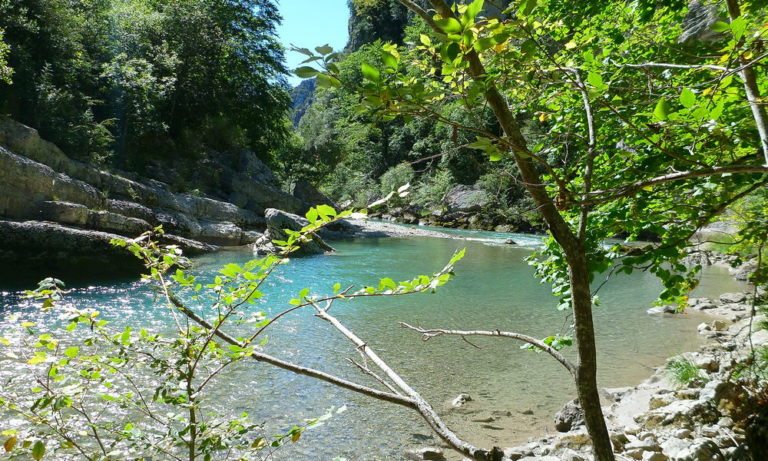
(50, 204)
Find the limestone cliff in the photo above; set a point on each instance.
(39, 184)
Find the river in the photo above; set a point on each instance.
(514, 392)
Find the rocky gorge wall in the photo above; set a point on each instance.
(57, 215)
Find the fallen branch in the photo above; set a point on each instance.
(427, 334)
(422, 406)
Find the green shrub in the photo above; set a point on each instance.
(682, 371)
(395, 178)
(432, 189)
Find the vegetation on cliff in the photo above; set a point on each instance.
(126, 82)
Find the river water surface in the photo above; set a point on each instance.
(514, 392)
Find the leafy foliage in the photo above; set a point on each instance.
(133, 393)
(146, 79)
(682, 371)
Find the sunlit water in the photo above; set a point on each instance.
(494, 289)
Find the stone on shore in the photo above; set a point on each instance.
(277, 222)
(569, 417)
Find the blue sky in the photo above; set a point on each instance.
(311, 23)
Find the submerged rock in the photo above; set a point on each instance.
(424, 454)
(461, 400)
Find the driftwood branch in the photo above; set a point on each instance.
(422, 406)
(298, 369)
(427, 334)
(370, 372)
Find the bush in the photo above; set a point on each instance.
(432, 189)
(395, 178)
(682, 371)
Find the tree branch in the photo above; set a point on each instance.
(427, 334)
(631, 188)
(298, 369)
(750, 87)
(422, 406)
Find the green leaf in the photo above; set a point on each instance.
(389, 59)
(38, 450)
(326, 81)
(425, 40)
(595, 80)
(451, 51)
(306, 72)
(72, 351)
(458, 256)
(720, 26)
(325, 49)
(336, 287)
(661, 112)
(371, 73)
(528, 6)
(312, 215)
(325, 210)
(449, 25)
(387, 283)
(473, 9)
(687, 98)
(738, 27)
(484, 44)
(303, 51)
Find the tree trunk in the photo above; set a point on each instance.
(586, 370)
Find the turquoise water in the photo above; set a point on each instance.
(494, 289)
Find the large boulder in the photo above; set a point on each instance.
(113, 222)
(569, 417)
(72, 214)
(131, 210)
(25, 182)
(221, 233)
(466, 199)
(32, 250)
(277, 222)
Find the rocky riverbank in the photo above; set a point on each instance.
(463, 207)
(717, 414)
(56, 213)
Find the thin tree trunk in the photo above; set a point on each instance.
(752, 90)
(586, 370)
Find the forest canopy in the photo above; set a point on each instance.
(123, 81)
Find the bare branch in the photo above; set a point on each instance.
(427, 334)
(424, 408)
(298, 369)
(631, 188)
(378, 378)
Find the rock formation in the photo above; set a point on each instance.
(60, 203)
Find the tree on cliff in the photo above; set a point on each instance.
(620, 121)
